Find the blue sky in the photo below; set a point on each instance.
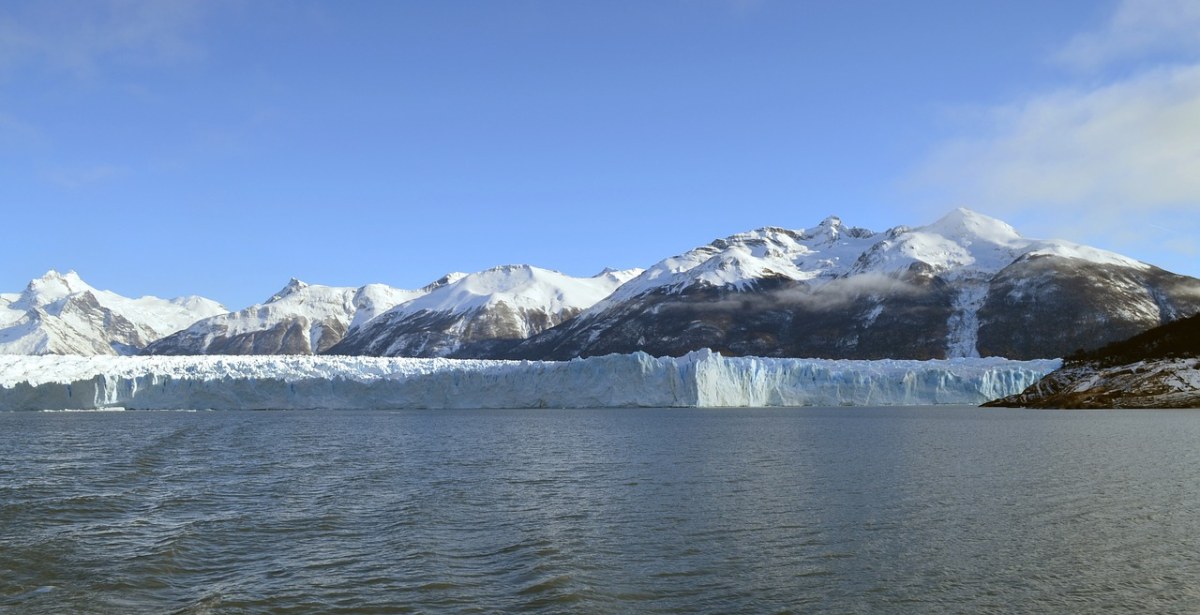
(220, 147)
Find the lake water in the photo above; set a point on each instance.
(918, 510)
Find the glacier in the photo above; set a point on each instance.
(698, 379)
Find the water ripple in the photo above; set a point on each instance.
(649, 511)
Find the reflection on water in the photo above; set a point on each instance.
(612, 511)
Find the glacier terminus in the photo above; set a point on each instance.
(698, 379)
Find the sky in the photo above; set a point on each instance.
(222, 147)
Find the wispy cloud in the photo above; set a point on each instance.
(835, 294)
(15, 132)
(87, 42)
(84, 176)
(86, 36)
(1131, 142)
(1136, 28)
(1113, 154)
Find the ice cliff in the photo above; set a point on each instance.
(699, 379)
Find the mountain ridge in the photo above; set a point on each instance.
(956, 287)
(300, 318)
(965, 285)
(59, 313)
(481, 314)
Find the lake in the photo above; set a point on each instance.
(829, 510)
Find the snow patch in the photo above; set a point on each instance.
(963, 337)
(519, 286)
(870, 317)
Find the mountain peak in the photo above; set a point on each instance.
(51, 287)
(293, 286)
(445, 280)
(519, 286)
(498, 269)
(619, 275)
(70, 278)
(963, 223)
(59, 313)
(833, 229)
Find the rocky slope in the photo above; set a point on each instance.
(1159, 368)
(966, 285)
(1161, 383)
(480, 315)
(59, 313)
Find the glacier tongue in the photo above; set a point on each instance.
(699, 379)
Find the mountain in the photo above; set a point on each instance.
(481, 314)
(1156, 369)
(61, 314)
(966, 285)
(299, 319)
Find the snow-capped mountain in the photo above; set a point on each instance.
(966, 285)
(299, 319)
(59, 313)
(480, 314)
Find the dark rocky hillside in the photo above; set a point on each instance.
(1159, 368)
(906, 317)
(1174, 340)
(1048, 306)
